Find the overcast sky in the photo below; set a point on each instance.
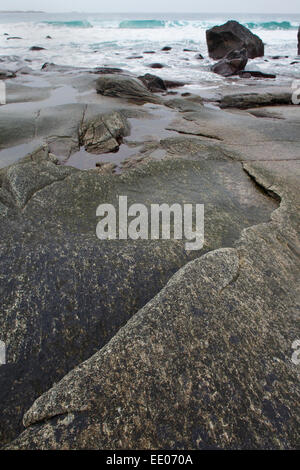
(214, 6)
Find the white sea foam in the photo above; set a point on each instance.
(103, 40)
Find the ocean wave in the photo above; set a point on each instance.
(141, 24)
(272, 25)
(69, 24)
(152, 24)
(159, 24)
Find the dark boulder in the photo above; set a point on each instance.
(37, 48)
(299, 41)
(6, 74)
(255, 74)
(13, 37)
(232, 35)
(153, 83)
(166, 49)
(135, 57)
(278, 57)
(156, 66)
(199, 56)
(174, 84)
(232, 64)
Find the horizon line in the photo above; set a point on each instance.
(150, 12)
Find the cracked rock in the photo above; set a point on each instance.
(105, 133)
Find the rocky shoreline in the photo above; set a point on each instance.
(140, 344)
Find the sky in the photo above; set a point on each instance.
(186, 6)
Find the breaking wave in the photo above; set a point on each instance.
(70, 24)
(272, 25)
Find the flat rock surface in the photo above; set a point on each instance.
(206, 364)
(57, 264)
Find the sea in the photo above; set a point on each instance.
(122, 40)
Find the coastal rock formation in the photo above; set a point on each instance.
(153, 83)
(252, 100)
(65, 293)
(105, 133)
(125, 87)
(140, 343)
(156, 65)
(206, 364)
(6, 74)
(232, 35)
(233, 62)
(37, 48)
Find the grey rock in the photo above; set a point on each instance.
(184, 105)
(65, 293)
(105, 133)
(125, 87)
(206, 364)
(250, 100)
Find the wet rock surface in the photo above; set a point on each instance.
(124, 87)
(210, 369)
(63, 267)
(250, 100)
(140, 344)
